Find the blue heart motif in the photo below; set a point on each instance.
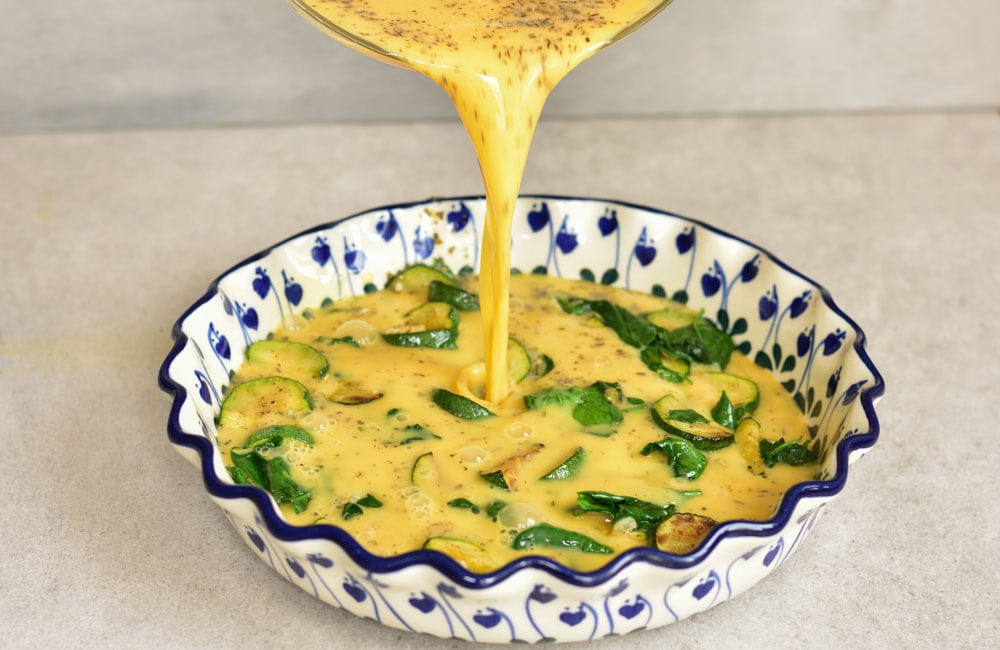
(256, 539)
(387, 227)
(685, 241)
(249, 318)
(423, 246)
(541, 594)
(632, 610)
(572, 618)
(492, 619)
(772, 554)
(799, 304)
(355, 591)
(608, 223)
(644, 250)
(219, 342)
(425, 604)
(710, 284)
(320, 560)
(321, 251)
(261, 282)
(353, 258)
(566, 239)
(704, 588)
(459, 218)
(293, 290)
(539, 218)
(203, 387)
(768, 304)
(750, 269)
(296, 567)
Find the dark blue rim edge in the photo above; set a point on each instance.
(282, 530)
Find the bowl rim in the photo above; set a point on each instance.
(377, 564)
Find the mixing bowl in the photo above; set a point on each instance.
(782, 320)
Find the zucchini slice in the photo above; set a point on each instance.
(671, 416)
(417, 276)
(431, 325)
(467, 553)
(459, 406)
(275, 436)
(681, 532)
(289, 358)
(567, 468)
(258, 398)
(438, 291)
(518, 361)
(742, 392)
(424, 473)
(671, 319)
(747, 436)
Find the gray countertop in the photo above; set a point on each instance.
(105, 238)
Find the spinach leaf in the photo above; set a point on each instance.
(631, 329)
(646, 515)
(686, 461)
(701, 342)
(369, 501)
(496, 479)
(549, 535)
(724, 412)
(411, 433)
(773, 452)
(465, 504)
(353, 508)
(594, 407)
(493, 510)
(283, 487)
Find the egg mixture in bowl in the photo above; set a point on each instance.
(681, 406)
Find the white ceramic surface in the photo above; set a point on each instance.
(781, 319)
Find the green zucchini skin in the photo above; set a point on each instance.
(459, 406)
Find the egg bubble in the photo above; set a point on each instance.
(519, 430)
(362, 332)
(519, 516)
(472, 455)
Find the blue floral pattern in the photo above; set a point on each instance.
(783, 321)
